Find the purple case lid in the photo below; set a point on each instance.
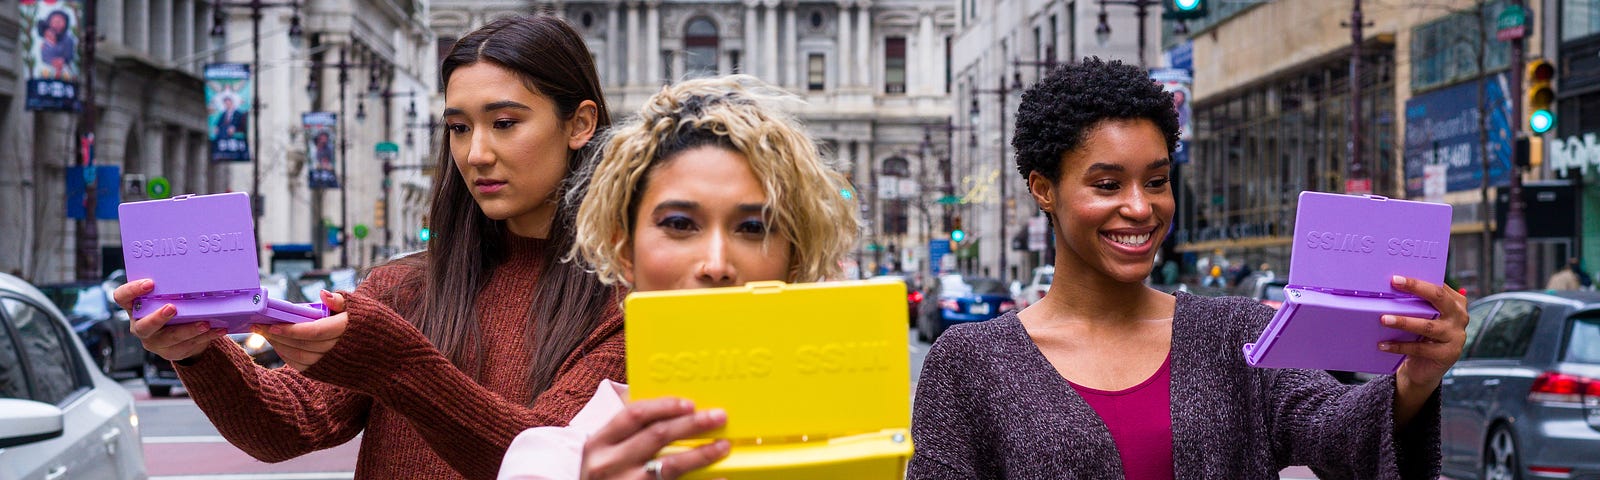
(1352, 244)
(191, 244)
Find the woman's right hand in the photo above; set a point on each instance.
(621, 449)
(175, 342)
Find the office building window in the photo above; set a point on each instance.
(1445, 51)
(894, 64)
(1579, 18)
(700, 48)
(816, 73)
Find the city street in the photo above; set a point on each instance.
(181, 444)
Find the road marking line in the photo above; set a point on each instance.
(186, 439)
(261, 476)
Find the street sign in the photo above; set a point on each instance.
(949, 200)
(937, 249)
(361, 231)
(1512, 23)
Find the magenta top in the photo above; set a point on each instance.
(1140, 420)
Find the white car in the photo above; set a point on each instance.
(1036, 288)
(59, 416)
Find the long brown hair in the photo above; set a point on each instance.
(552, 60)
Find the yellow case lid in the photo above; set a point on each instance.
(785, 361)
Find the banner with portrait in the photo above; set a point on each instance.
(49, 46)
(1178, 82)
(322, 140)
(228, 105)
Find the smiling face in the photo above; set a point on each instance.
(511, 145)
(1112, 204)
(700, 224)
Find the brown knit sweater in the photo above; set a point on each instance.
(383, 376)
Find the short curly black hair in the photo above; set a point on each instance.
(1075, 98)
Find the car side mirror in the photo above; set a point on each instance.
(27, 421)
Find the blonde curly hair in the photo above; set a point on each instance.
(738, 113)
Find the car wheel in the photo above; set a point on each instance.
(105, 354)
(161, 390)
(1500, 460)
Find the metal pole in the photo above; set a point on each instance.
(1486, 209)
(1142, 13)
(88, 258)
(1353, 149)
(255, 124)
(1516, 227)
(344, 160)
(1005, 243)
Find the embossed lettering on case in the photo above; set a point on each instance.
(200, 250)
(814, 377)
(1346, 249)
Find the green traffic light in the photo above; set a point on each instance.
(957, 235)
(1541, 121)
(424, 235)
(1186, 5)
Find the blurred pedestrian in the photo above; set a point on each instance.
(1108, 378)
(1566, 278)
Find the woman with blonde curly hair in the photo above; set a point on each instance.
(712, 185)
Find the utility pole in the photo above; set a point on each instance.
(1004, 243)
(1358, 181)
(344, 161)
(1516, 228)
(88, 258)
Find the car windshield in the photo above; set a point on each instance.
(1583, 341)
(1273, 292)
(89, 301)
(987, 286)
(1042, 278)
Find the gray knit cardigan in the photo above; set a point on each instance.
(989, 405)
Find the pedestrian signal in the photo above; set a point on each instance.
(424, 235)
(1541, 96)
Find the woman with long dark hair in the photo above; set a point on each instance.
(463, 346)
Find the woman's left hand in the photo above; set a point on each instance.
(301, 345)
(1428, 358)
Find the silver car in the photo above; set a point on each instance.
(1524, 399)
(59, 416)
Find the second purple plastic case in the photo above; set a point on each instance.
(1339, 281)
(201, 252)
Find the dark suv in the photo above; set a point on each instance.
(100, 323)
(1524, 399)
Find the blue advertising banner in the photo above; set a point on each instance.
(107, 190)
(228, 103)
(1179, 79)
(49, 46)
(321, 137)
(1442, 131)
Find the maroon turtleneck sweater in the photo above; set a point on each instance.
(422, 417)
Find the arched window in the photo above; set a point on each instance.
(897, 167)
(700, 48)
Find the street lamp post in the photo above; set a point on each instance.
(219, 29)
(1049, 63)
(1102, 32)
(1003, 92)
(373, 86)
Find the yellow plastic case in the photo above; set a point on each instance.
(816, 378)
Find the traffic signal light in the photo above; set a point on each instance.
(424, 235)
(956, 234)
(1541, 117)
(1183, 9)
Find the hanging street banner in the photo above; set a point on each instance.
(1178, 79)
(1443, 127)
(321, 137)
(228, 105)
(49, 46)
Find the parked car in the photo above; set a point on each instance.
(913, 295)
(60, 417)
(1524, 399)
(1270, 292)
(100, 323)
(1038, 287)
(960, 299)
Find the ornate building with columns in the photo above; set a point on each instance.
(875, 75)
(152, 122)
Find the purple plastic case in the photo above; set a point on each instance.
(200, 250)
(1346, 248)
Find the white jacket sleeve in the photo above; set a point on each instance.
(556, 453)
